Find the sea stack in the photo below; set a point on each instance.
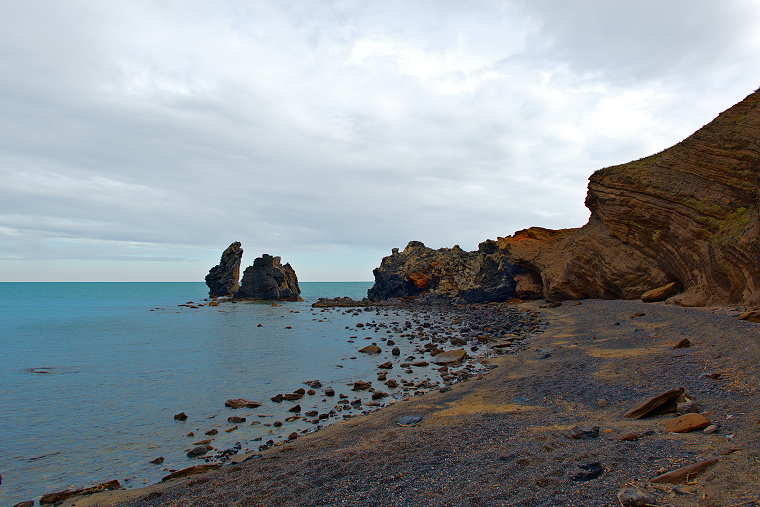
(269, 279)
(222, 279)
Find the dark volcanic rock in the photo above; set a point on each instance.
(268, 279)
(483, 275)
(222, 279)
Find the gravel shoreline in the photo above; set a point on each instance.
(503, 438)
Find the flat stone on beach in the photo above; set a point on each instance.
(686, 423)
(450, 357)
(409, 420)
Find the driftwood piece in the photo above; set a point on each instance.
(684, 473)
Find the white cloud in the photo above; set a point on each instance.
(336, 130)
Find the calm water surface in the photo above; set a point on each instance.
(92, 374)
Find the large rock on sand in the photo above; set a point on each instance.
(268, 279)
(222, 279)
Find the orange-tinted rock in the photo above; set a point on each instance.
(661, 293)
(370, 349)
(752, 316)
(658, 404)
(686, 423)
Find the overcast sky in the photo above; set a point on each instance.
(138, 139)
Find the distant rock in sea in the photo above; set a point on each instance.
(268, 279)
(222, 279)
(687, 216)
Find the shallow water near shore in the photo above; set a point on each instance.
(93, 373)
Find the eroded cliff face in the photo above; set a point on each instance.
(268, 279)
(222, 279)
(688, 214)
(483, 275)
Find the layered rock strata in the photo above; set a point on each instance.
(268, 279)
(688, 214)
(222, 279)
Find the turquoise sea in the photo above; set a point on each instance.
(93, 373)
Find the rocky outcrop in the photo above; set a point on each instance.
(687, 215)
(222, 279)
(270, 280)
(483, 275)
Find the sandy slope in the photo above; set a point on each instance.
(500, 440)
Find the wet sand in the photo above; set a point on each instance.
(502, 439)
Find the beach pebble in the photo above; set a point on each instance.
(212, 432)
(396, 351)
(297, 408)
(592, 471)
(713, 428)
(329, 391)
(582, 433)
(197, 451)
(180, 417)
(157, 461)
(235, 419)
(634, 497)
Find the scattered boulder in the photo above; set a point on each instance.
(296, 409)
(235, 419)
(268, 279)
(157, 461)
(635, 497)
(197, 451)
(194, 470)
(662, 293)
(582, 433)
(751, 315)
(222, 279)
(450, 357)
(370, 349)
(409, 420)
(591, 471)
(60, 496)
(396, 351)
(180, 417)
(686, 423)
(361, 385)
(241, 403)
(665, 402)
(682, 344)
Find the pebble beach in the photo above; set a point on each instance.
(543, 426)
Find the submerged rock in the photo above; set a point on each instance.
(268, 279)
(222, 279)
